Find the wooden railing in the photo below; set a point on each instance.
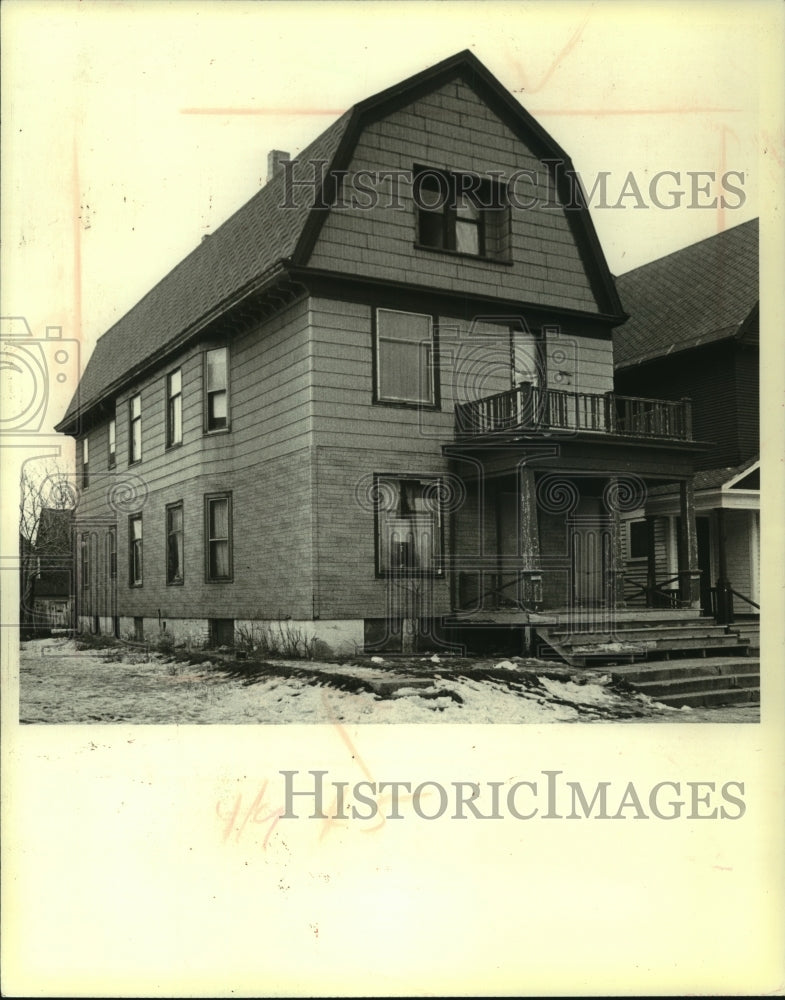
(531, 408)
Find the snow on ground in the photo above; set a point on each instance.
(61, 683)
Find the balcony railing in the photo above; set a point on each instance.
(529, 408)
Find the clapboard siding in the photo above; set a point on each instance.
(452, 128)
(724, 397)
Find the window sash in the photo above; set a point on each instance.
(218, 518)
(217, 389)
(135, 430)
(135, 554)
(85, 462)
(404, 357)
(174, 544)
(112, 442)
(174, 408)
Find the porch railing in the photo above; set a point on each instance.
(532, 408)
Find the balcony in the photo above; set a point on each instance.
(529, 409)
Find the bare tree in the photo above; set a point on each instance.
(46, 490)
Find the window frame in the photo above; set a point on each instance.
(491, 199)
(208, 393)
(112, 442)
(133, 542)
(133, 420)
(435, 402)
(210, 498)
(174, 400)
(437, 557)
(174, 581)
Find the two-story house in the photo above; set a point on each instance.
(693, 331)
(380, 396)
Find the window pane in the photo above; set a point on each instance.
(414, 328)
(432, 229)
(467, 237)
(466, 209)
(217, 410)
(175, 420)
(219, 519)
(136, 529)
(175, 382)
(216, 369)
(85, 451)
(136, 440)
(112, 436)
(136, 406)
(525, 358)
(409, 534)
(219, 559)
(175, 557)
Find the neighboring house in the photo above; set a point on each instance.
(693, 331)
(47, 572)
(381, 393)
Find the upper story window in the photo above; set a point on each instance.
(84, 549)
(174, 408)
(216, 389)
(462, 213)
(85, 463)
(135, 550)
(112, 442)
(218, 538)
(135, 428)
(408, 525)
(405, 358)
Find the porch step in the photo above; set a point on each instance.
(749, 631)
(696, 683)
(642, 640)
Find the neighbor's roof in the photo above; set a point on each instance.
(263, 238)
(700, 294)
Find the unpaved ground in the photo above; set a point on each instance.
(62, 683)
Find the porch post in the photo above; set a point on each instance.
(689, 574)
(616, 595)
(724, 596)
(651, 562)
(531, 585)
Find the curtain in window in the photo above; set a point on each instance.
(219, 538)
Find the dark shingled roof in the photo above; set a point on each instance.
(703, 293)
(249, 243)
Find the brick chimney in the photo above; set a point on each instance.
(274, 160)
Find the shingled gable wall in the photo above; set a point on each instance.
(452, 127)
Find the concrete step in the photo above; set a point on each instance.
(653, 644)
(695, 682)
(709, 699)
(640, 673)
(688, 685)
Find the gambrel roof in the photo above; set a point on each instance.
(698, 295)
(263, 239)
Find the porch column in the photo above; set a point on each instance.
(689, 574)
(531, 584)
(611, 497)
(651, 562)
(724, 595)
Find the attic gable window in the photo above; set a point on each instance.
(462, 213)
